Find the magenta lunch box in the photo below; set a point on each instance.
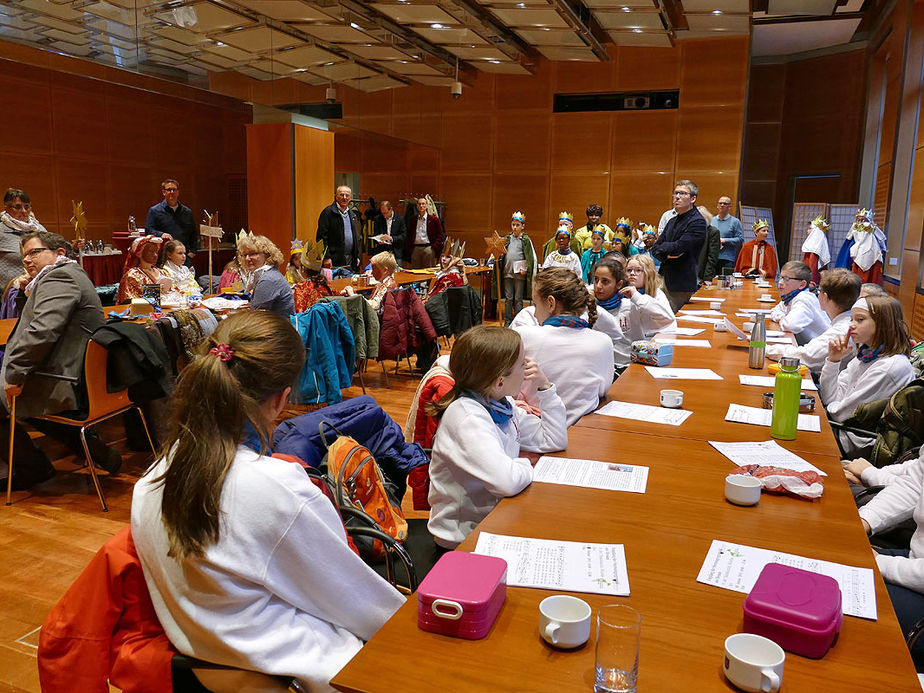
(462, 595)
(799, 610)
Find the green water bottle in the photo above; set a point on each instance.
(786, 392)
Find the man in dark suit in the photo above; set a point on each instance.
(390, 224)
(62, 310)
(343, 246)
(425, 241)
(172, 220)
(678, 246)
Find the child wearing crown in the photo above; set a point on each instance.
(564, 255)
(868, 244)
(516, 268)
(314, 285)
(757, 257)
(564, 219)
(451, 271)
(584, 235)
(815, 251)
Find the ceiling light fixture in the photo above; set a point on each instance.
(626, 9)
(496, 62)
(717, 12)
(455, 89)
(355, 25)
(636, 31)
(437, 25)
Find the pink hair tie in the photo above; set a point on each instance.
(222, 351)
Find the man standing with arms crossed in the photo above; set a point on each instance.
(678, 246)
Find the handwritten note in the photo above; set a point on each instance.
(767, 453)
(684, 373)
(736, 567)
(607, 476)
(559, 565)
(761, 417)
(770, 381)
(644, 412)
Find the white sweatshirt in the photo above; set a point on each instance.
(815, 351)
(578, 361)
(901, 499)
(280, 592)
(803, 316)
(475, 461)
(606, 323)
(640, 317)
(842, 391)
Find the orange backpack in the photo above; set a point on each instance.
(358, 483)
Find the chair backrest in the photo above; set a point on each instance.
(100, 401)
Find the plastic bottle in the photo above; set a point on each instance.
(758, 343)
(131, 224)
(786, 393)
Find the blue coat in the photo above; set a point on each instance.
(330, 354)
(361, 418)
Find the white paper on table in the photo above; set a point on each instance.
(644, 412)
(779, 340)
(707, 299)
(761, 417)
(684, 373)
(698, 318)
(753, 310)
(705, 343)
(685, 331)
(767, 453)
(770, 381)
(736, 567)
(711, 313)
(607, 476)
(571, 566)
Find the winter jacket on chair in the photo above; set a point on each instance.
(405, 324)
(454, 310)
(363, 321)
(330, 354)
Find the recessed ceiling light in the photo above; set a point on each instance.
(220, 44)
(717, 12)
(521, 4)
(626, 9)
(496, 62)
(355, 25)
(545, 28)
(437, 25)
(636, 31)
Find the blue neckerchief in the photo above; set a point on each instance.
(865, 354)
(501, 411)
(566, 251)
(612, 303)
(251, 438)
(641, 291)
(787, 298)
(566, 321)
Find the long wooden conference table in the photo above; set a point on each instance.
(666, 532)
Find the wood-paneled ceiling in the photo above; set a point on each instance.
(372, 45)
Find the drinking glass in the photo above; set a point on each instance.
(618, 633)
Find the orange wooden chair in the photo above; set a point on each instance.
(102, 405)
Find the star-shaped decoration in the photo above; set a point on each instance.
(495, 245)
(79, 219)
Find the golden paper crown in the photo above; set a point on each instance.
(821, 223)
(648, 229)
(453, 247)
(519, 216)
(313, 255)
(242, 235)
(864, 214)
(565, 216)
(624, 221)
(760, 224)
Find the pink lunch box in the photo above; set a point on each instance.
(462, 595)
(799, 610)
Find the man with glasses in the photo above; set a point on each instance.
(16, 220)
(731, 235)
(172, 220)
(339, 227)
(678, 246)
(799, 311)
(62, 310)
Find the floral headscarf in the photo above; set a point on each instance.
(133, 258)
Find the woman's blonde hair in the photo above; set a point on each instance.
(568, 290)
(264, 245)
(216, 396)
(385, 260)
(652, 278)
(479, 357)
(891, 331)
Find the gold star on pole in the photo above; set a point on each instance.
(495, 245)
(79, 219)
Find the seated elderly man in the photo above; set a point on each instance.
(61, 312)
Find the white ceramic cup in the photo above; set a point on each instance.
(672, 399)
(766, 297)
(564, 621)
(715, 305)
(748, 326)
(742, 489)
(720, 326)
(754, 663)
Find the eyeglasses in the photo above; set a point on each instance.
(21, 207)
(784, 278)
(681, 193)
(170, 190)
(35, 251)
(725, 204)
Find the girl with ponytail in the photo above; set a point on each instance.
(246, 561)
(578, 359)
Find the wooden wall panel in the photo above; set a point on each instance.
(713, 185)
(917, 318)
(525, 192)
(384, 155)
(407, 127)
(270, 202)
(714, 72)
(348, 151)
(33, 174)
(131, 133)
(76, 180)
(763, 160)
(648, 68)
(469, 203)
(639, 195)
(767, 92)
(580, 77)
(477, 100)
(136, 188)
(314, 177)
(581, 142)
(84, 106)
(573, 191)
(27, 125)
(644, 140)
(708, 139)
(427, 183)
(521, 91)
(522, 142)
(467, 143)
